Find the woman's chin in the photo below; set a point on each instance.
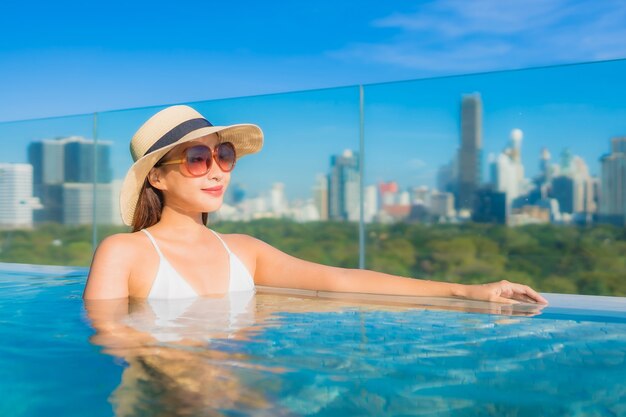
(212, 206)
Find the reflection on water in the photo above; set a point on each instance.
(268, 354)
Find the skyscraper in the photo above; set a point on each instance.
(16, 196)
(504, 176)
(320, 196)
(370, 205)
(47, 159)
(563, 191)
(442, 205)
(79, 158)
(70, 160)
(545, 167)
(470, 151)
(584, 195)
(344, 181)
(388, 193)
(78, 203)
(613, 184)
(507, 170)
(278, 200)
(490, 207)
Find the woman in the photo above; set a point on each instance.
(182, 168)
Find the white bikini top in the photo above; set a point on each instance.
(169, 284)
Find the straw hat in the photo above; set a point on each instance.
(171, 127)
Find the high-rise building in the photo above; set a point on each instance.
(584, 196)
(320, 196)
(78, 200)
(344, 186)
(613, 184)
(62, 161)
(370, 205)
(16, 196)
(618, 145)
(490, 207)
(504, 176)
(83, 159)
(404, 198)
(278, 200)
(388, 193)
(563, 192)
(442, 205)
(469, 169)
(573, 188)
(421, 196)
(507, 172)
(566, 161)
(47, 159)
(545, 167)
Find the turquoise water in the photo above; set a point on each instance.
(281, 355)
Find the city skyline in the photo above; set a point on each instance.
(418, 118)
(412, 129)
(63, 192)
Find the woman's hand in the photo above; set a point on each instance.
(502, 292)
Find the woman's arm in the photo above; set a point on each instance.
(277, 269)
(110, 269)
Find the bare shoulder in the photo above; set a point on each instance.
(123, 244)
(111, 266)
(242, 244)
(241, 239)
(253, 247)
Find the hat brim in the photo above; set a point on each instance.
(247, 139)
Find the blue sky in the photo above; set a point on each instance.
(69, 58)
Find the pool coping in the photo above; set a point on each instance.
(579, 301)
(561, 306)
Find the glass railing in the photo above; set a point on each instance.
(510, 175)
(517, 175)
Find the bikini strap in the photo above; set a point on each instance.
(221, 240)
(153, 242)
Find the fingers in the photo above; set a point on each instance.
(536, 296)
(528, 294)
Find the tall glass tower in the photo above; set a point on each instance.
(613, 185)
(469, 178)
(343, 201)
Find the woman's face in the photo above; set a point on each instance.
(187, 193)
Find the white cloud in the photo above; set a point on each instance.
(454, 18)
(416, 163)
(454, 36)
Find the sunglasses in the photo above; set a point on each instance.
(197, 160)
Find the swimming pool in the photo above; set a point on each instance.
(303, 354)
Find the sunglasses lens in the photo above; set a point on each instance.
(226, 156)
(198, 160)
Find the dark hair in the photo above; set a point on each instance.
(149, 207)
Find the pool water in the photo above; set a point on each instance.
(293, 354)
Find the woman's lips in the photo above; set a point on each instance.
(214, 190)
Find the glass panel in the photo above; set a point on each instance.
(513, 175)
(306, 174)
(114, 130)
(46, 191)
